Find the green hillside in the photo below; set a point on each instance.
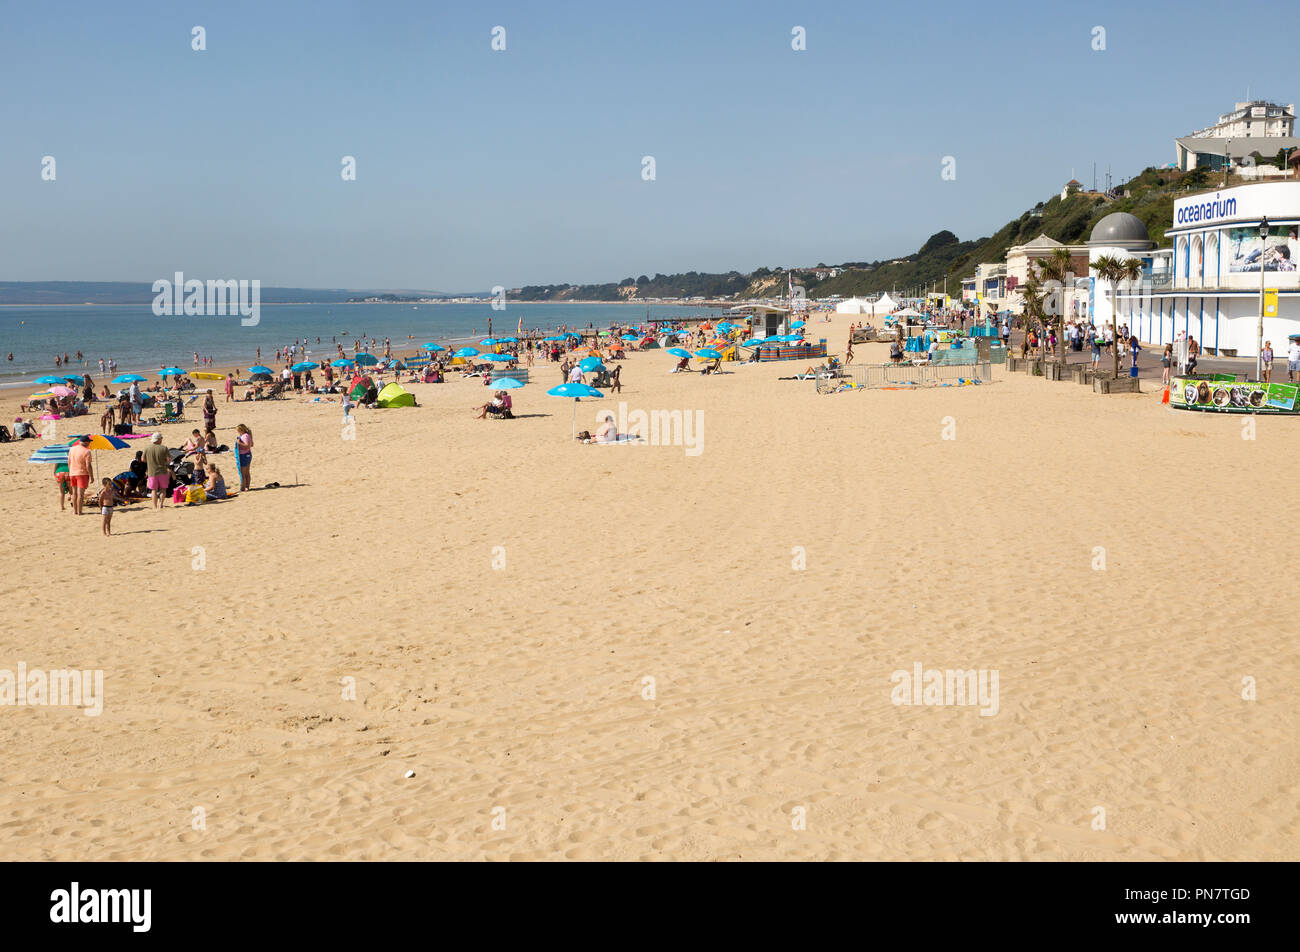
(1150, 196)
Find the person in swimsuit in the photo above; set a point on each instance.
(209, 412)
(108, 496)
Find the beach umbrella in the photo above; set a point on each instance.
(576, 391)
(102, 441)
(573, 334)
(466, 352)
(752, 342)
(50, 453)
(679, 351)
(257, 369)
(488, 342)
(62, 391)
(798, 324)
(500, 358)
(170, 371)
(48, 379)
(366, 360)
(341, 362)
(434, 347)
(304, 365)
(553, 339)
(41, 396)
(507, 383)
(508, 340)
(260, 375)
(709, 353)
(78, 379)
(128, 378)
(588, 364)
(630, 337)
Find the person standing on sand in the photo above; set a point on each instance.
(108, 496)
(79, 472)
(1166, 361)
(230, 386)
(848, 351)
(244, 449)
(157, 478)
(209, 412)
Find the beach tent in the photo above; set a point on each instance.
(395, 396)
(853, 306)
(884, 305)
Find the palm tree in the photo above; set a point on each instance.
(1115, 271)
(1057, 269)
(1033, 295)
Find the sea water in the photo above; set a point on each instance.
(142, 342)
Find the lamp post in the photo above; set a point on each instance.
(1259, 341)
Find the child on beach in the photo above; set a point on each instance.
(108, 496)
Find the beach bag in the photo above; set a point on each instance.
(4, 434)
(178, 495)
(196, 494)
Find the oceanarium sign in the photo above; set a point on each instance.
(1245, 203)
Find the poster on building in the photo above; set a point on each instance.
(1245, 251)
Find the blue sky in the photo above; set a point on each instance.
(477, 168)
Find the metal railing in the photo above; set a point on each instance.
(876, 376)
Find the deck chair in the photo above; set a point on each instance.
(172, 412)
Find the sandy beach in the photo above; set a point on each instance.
(499, 595)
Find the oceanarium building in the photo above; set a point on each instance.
(1208, 285)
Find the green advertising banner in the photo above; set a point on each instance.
(1226, 394)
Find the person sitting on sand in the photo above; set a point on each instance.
(194, 444)
(210, 441)
(607, 432)
(683, 366)
(499, 405)
(216, 483)
(24, 430)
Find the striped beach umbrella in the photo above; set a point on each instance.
(50, 453)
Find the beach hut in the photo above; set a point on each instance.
(395, 396)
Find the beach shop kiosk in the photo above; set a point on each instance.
(766, 320)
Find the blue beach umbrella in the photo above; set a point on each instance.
(257, 369)
(50, 453)
(798, 324)
(544, 338)
(304, 365)
(576, 391)
(433, 347)
(128, 378)
(708, 352)
(170, 371)
(466, 352)
(366, 360)
(507, 383)
(500, 358)
(573, 334)
(632, 338)
(679, 351)
(50, 380)
(341, 362)
(74, 378)
(508, 340)
(488, 342)
(752, 342)
(589, 364)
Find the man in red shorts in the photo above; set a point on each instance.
(79, 472)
